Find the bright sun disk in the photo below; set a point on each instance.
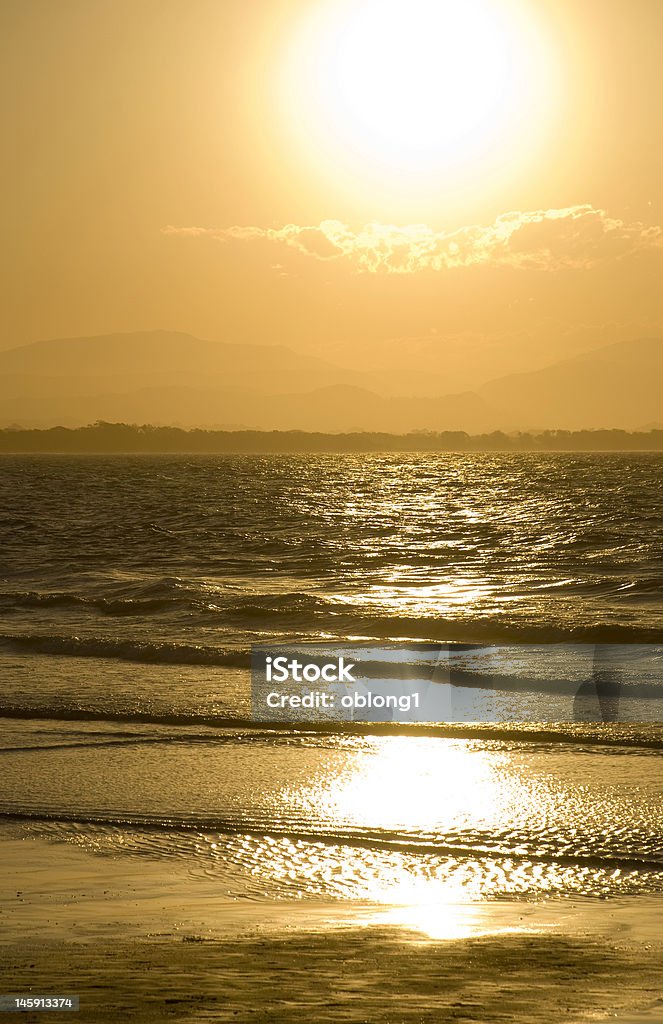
(416, 84)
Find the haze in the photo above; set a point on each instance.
(380, 250)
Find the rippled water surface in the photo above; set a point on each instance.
(131, 589)
(212, 550)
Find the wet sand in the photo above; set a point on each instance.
(137, 941)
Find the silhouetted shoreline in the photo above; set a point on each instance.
(100, 438)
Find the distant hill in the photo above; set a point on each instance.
(112, 363)
(620, 385)
(163, 378)
(333, 408)
(166, 377)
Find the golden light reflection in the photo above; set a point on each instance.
(437, 909)
(421, 786)
(426, 832)
(409, 783)
(422, 600)
(446, 920)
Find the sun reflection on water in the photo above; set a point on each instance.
(410, 783)
(412, 598)
(422, 832)
(428, 828)
(440, 920)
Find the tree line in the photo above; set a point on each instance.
(102, 437)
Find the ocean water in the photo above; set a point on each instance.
(131, 589)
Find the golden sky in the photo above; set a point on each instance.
(360, 178)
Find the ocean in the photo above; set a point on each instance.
(131, 590)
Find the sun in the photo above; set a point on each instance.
(418, 78)
(415, 85)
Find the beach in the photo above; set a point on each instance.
(143, 944)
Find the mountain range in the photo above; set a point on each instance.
(165, 377)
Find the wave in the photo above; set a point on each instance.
(597, 735)
(495, 630)
(158, 653)
(129, 598)
(256, 606)
(361, 839)
(64, 599)
(308, 613)
(392, 632)
(170, 594)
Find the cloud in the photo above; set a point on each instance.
(577, 237)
